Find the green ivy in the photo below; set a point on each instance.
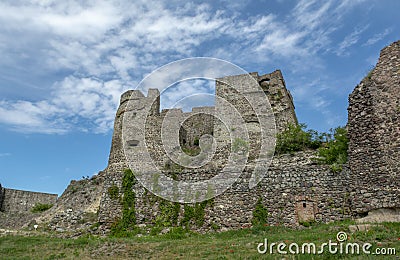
(128, 220)
(195, 213)
(260, 214)
(169, 213)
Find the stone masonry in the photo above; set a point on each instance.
(22, 201)
(374, 133)
(16, 206)
(294, 190)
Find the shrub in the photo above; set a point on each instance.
(39, 207)
(260, 214)
(195, 214)
(294, 138)
(334, 152)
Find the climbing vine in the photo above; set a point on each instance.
(128, 220)
(195, 213)
(260, 214)
(169, 213)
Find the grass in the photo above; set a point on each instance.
(239, 244)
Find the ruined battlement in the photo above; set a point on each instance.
(295, 189)
(12, 200)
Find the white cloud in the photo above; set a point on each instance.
(309, 14)
(5, 154)
(350, 40)
(89, 101)
(282, 43)
(95, 51)
(188, 93)
(377, 37)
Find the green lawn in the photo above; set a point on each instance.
(241, 244)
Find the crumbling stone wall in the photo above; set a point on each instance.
(233, 208)
(279, 97)
(291, 181)
(196, 126)
(374, 133)
(23, 201)
(77, 207)
(295, 190)
(16, 206)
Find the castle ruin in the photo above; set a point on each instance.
(294, 190)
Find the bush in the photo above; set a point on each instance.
(334, 152)
(260, 214)
(39, 207)
(295, 138)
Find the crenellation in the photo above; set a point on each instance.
(295, 189)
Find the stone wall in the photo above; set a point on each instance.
(23, 201)
(279, 97)
(294, 190)
(1, 197)
(374, 133)
(16, 205)
(201, 123)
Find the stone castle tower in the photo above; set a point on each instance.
(199, 122)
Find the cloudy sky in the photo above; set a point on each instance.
(64, 65)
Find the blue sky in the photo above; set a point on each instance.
(65, 63)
